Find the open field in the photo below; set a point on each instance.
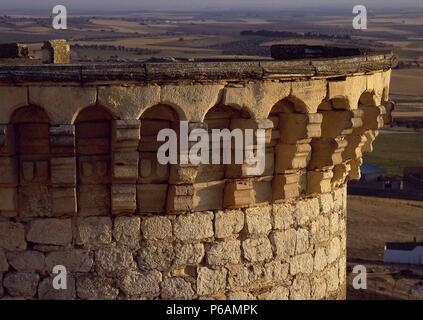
(374, 221)
(395, 151)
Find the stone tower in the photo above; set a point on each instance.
(80, 184)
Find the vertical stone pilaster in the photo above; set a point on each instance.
(182, 195)
(126, 137)
(8, 173)
(327, 162)
(242, 185)
(293, 153)
(63, 170)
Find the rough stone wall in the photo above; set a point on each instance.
(80, 186)
(292, 250)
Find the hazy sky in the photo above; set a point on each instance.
(198, 4)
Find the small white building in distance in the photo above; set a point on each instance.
(404, 252)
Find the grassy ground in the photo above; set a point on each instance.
(395, 151)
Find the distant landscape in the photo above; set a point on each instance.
(140, 36)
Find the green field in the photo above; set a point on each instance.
(395, 151)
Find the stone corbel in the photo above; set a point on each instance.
(327, 162)
(63, 170)
(125, 141)
(239, 188)
(181, 195)
(293, 153)
(362, 138)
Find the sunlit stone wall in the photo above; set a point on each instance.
(80, 184)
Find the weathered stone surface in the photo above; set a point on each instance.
(176, 289)
(284, 243)
(318, 288)
(136, 283)
(301, 264)
(50, 231)
(194, 226)
(113, 259)
(320, 259)
(228, 223)
(211, 281)
(302, 243)
(93, 231)
(27, 261)
(222, 253)
(188, 254)
(21, 285)
(300, 289)
(47, 292)
(73, 260)
(126, 231)
(257, 249)
(156, 228)
(279, 293)
(155, 255)
(275, 271)
(240, 296)
(332, 278)
(95, 288)
(12, 236)
(283, 215)
(62, 103)
(258, 220)
(333, 250)
(4, 266)
(129, 102)
(306, 210)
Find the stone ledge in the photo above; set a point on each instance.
(197, 71)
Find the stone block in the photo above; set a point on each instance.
(194, 226)
(64, 202)
(238, 193)
(74, 260)
(151, 198)
(210, 281)
(56, 51)
(155, 255)
(94, 200)
(93, 231)
(258, 220)
(223, 253)
(124, 198)
(136, 283)
(46, 290)
(112, 259)
(284, 243)
(176, 289)
(63, 171)
(27, 261)
(4, 265)
(8, 172)
(96, 288)
(228, 223)
(257, 250)
(50, 231)
(126, 231)
(188, 254)
(12, 236)
(125, 166)
(20, 284)
(156, 228)
(283, 215)
(8, 202)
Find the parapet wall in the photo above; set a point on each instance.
(80, 184)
